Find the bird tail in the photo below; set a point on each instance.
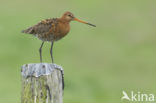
(28, 31)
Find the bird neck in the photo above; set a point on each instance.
(63, 20)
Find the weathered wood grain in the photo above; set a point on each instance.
(42, 83)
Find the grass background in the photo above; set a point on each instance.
(99, 63)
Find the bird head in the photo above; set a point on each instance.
(68, 16)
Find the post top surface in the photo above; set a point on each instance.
(38, 69)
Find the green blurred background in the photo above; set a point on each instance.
(99, 63)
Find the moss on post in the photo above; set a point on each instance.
(42, 83)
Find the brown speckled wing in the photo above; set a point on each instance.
(42, 27)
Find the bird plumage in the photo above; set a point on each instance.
(44, 30)
(53, 29)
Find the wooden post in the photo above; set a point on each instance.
(42, 83)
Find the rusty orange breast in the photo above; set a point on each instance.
(62, 29)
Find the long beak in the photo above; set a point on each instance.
(84, 22)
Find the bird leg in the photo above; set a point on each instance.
(51, 51)
(40, 50)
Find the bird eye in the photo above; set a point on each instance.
(69, 15)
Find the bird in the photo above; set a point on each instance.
(52, 30)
